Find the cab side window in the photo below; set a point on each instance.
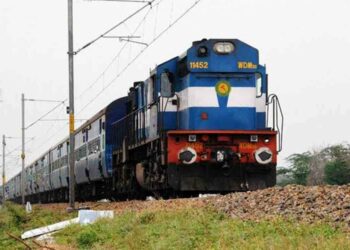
(258, 84)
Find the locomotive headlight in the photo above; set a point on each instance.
(263, 155)
(202, 51)
(224, 47)
(187, 155)
(220, 156)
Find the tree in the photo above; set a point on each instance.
(300, 167)
(337, 172)
(330, 165)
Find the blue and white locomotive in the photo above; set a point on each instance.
(197, 124)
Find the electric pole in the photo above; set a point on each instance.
(71, 54)
(3, 169)
(23, 154)
(71, 107)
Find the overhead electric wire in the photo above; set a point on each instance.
(19, 147)
(47, 113)
(62, 102)
(115, 26)
(46, 134)
(140, 53)
(115, 57)
(40, 100)
(103, 72)
(149, 3)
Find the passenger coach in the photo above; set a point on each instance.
(47, 178)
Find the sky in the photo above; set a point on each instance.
(304, 44)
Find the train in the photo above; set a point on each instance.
(200, 123)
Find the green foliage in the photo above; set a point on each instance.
(147, 218)
(178, 229)
(300, 167)
(337, 152)
(15, 220)
(337, 170)
(337, 173)
(17, 215)
(333, 161)
(200, 229)
(86, 238)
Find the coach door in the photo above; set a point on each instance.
(151, 122)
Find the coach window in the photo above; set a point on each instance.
(100, 125)
(94, 146)
(154, 86)
(258, 84)
(87, 132)
(166, 84)
(77, 155)
(83, 133)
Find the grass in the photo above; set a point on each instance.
(176, 229)
(14, 220)
(201, 229)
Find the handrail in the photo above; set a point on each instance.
(276, 113)
(134, 112)
(133, 125)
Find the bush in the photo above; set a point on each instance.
(17, 214)
(87, 238)
(337, 173)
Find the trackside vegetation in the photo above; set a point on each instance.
(189, 228)
(329, 165)
(14, 220)
(200, 229)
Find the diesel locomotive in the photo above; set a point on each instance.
(202, 122)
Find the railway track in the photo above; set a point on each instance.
(310, 204)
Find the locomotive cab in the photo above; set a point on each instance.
(212, 83)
